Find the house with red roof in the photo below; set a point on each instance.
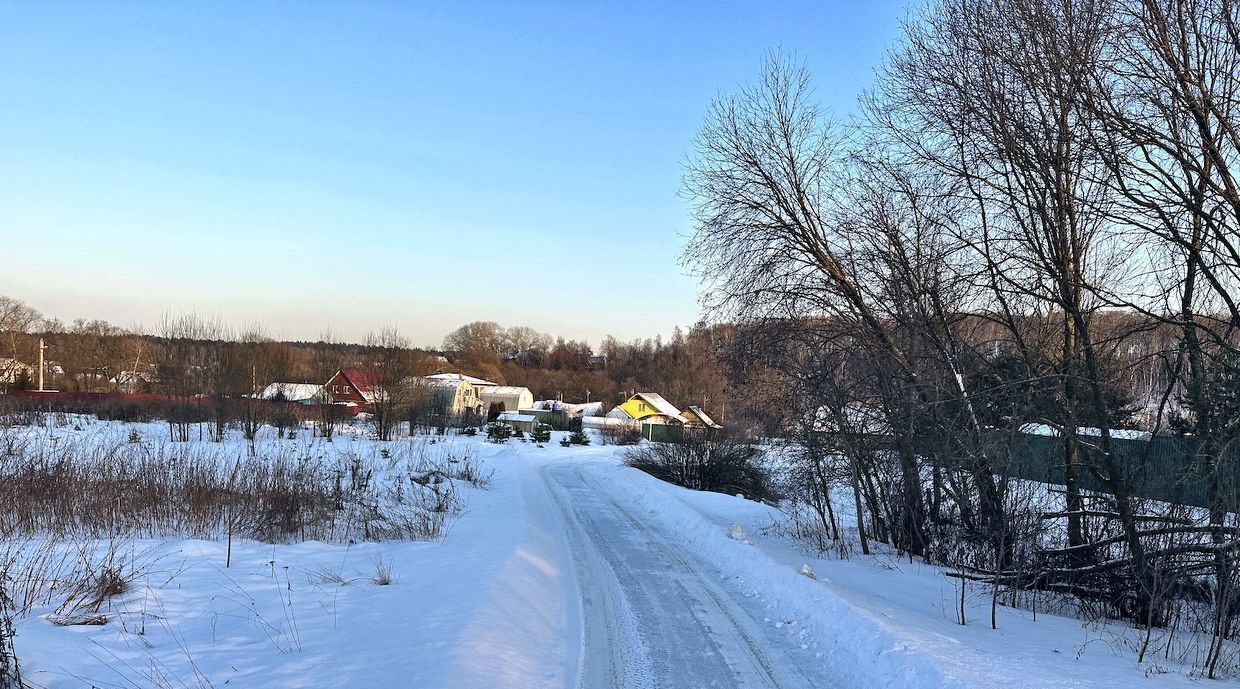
(350, 385)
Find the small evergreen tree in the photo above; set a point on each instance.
(498, 432)
(541, 434)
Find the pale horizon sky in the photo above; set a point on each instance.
(352, 166)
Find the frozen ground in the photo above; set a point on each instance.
(569, 571)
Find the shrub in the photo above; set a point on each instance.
(711, 463)
(621, 434)
(578, 437)
(126, 410)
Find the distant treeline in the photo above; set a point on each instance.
(191, 355)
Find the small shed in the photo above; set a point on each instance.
(521, 422)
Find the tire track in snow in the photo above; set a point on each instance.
(612, 653)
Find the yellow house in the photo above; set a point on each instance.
(647, 407)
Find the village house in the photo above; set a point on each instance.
(13, 371)
(447, 396)
(131, 382)
(648, 407)
(350, 386)
(299, 393)
(512, 397)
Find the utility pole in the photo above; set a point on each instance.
(42, 347)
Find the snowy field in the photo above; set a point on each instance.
(566, 569)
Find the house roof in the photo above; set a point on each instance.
(656, 400)
(360, 378)
(587, 409)
(705, 418)
(461, 376)
(505, 390)
(514, 416)
(443, 383)
(293, 392)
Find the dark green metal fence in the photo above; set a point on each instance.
(1163, 468)
(661, 433)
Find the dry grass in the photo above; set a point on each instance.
(79, 578)
(81, 490)
(383, 572)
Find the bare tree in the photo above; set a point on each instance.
(487, 336)
(389, 368)
(188, 368)
(17, 319)
(778, 238)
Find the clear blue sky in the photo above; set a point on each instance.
(347, 165)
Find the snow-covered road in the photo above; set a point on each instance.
(652, 615)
